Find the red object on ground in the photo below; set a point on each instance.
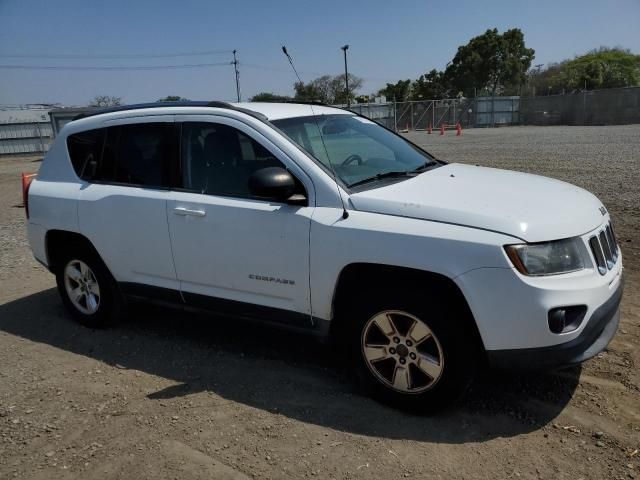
(442, 129)
(430, 129)
(458, 129)
(27, 178)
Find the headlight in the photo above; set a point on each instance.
(549, 258)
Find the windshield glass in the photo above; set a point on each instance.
(359, 149)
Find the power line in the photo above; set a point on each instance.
(307, 72)
(113, 55)
(276, 69)
(115, 67)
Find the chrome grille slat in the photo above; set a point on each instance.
(605, 249)
(612, 244)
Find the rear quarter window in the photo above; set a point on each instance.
(85, 149)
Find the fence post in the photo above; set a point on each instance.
(412, 126)
(433, 113)
(395, 116)
(454, 111)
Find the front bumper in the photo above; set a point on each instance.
(594, 338)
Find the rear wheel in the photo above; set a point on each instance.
(87, 289)
(412, 352)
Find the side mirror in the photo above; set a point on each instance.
(274, 183)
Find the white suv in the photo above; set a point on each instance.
(316, 218)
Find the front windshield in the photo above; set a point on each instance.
(358, 149)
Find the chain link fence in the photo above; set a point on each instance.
(422, 115)
(615, 106)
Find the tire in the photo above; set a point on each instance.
(97, 302)
(412, 350)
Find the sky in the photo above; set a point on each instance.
(388, 41)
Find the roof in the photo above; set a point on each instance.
(266, 111)
(276, 111)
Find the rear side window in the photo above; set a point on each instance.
(141, 154)
(85, 150)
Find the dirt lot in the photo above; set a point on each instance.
(170, 395)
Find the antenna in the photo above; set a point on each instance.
(345, 214)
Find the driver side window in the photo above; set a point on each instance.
(218, 159)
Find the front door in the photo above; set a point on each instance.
(235, 253)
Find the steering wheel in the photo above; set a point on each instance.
(353, 158)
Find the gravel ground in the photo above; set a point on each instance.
(169, 395)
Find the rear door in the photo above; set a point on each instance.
(123, 208)
(235, 253)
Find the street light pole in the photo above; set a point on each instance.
(346, 74)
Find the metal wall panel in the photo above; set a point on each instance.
(25, 137)
(22, 145)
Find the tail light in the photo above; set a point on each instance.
(27, 178)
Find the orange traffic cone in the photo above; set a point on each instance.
(442, 129)
(458, 129)
(430, 128)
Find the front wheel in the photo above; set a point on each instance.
(402, 352)
(413, 356)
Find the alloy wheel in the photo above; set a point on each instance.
(402, 352)
(82, 287)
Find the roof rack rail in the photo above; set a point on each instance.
(313, 102)
(181, 103)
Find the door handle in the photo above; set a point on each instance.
(188, 211)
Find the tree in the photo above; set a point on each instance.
(103, 101)
(339, 89)
(327, 89)
(490, 61)
(431, 86)
(172, 98)
(399, 91)
(601, 68)
(269, 97)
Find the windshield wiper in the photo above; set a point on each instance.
(380, 176)
(425, 166)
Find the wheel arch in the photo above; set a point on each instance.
(362, 275)
(58, 242)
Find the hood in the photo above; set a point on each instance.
(530, 207)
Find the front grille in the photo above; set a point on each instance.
(605, 249)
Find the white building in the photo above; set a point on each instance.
(24, 129)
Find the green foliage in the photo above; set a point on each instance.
(103, 101)
(269, 97)
(601, 68)
(490, 61)
(431, 86)
(400, 91)
(327, 89)
(172, 98)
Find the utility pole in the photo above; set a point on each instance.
(235, 66)
(346, 74)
